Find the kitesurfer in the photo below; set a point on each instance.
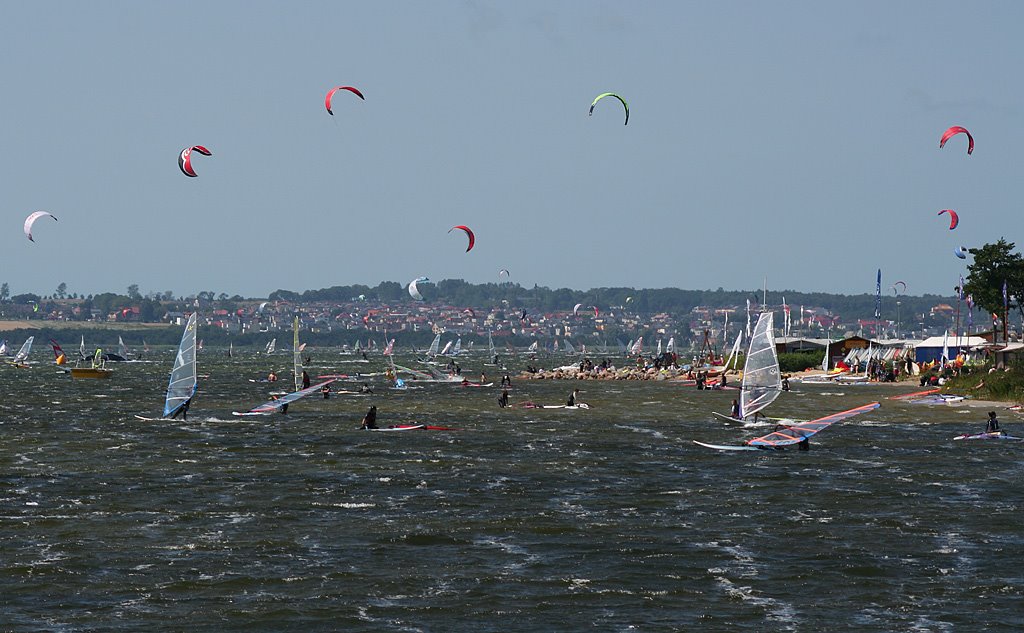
(992, 426)
(370, 419)
(573, 398)
(305, 379)
(503, 400)
(326, 391)
(183, 410)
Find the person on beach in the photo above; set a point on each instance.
(370, 419)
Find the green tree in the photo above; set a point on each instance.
(62, 290)
(993, 265)
(133, 292)
(5, 292)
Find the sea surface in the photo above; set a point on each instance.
(607, 519)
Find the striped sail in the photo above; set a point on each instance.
(296, 355)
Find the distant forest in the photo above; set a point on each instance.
(672, 300)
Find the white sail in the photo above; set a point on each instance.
(567, 347)
(81, 347)
(734, 354)
(490, 346)
(296, 355)
(458, 347)
(3, 348)
(122, 349)
(435, 345)
(824, 361)
(182, 385)
(271, 346)
(671, 347)
(638, 347)
(25, 350)
(658, 353)
(761, 380)
(533, 346)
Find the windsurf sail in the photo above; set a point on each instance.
(58, 353)
(269, 407)
(533, 346)
(567, 347)
(81, 348)
(637, 347)
(491, 353)
(658, 353)
(435, 345)
(458, 347)
(824, 360)
(25, 350)
(734, 355)
(4, 351)
(761, 380)
(271, 346)
(122, 349)
(796, 433)
(296, 355)
(671, 347)
(182, 385)
(447, 347)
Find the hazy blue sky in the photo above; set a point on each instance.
(797, 140)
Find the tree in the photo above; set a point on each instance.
(5, 292)
(133, 292)
(62, 290)
(994, 265)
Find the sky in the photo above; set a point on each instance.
(790, 141)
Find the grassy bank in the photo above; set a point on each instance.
(999, 385)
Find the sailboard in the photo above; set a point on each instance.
(182, 384)
(274, 405)
(22, 355)
(793, 433)
(762, 382)
(122, 349)
(271, 346)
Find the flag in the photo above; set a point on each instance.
(748, 318)
(1006, 300)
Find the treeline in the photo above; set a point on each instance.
(457, 292)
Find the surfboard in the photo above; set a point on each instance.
(407, 427)
(730, 447)
(144, 419)
(580, 405)
(987, 436)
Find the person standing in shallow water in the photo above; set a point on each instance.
(992, 426)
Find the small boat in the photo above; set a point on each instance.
(97, 370)
(90, 372)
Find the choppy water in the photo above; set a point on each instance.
(525, 520)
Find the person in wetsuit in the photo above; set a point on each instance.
(370, 419)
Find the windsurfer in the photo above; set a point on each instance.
(272, 377)
(365, 389)
(370, 419)
(305, 379)
(284, 407)
(785, 383)
(506, 381)
(183, 410)
(735, 409)
(992, 426)
(326, 391)
(503, 400)
(573, 398)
